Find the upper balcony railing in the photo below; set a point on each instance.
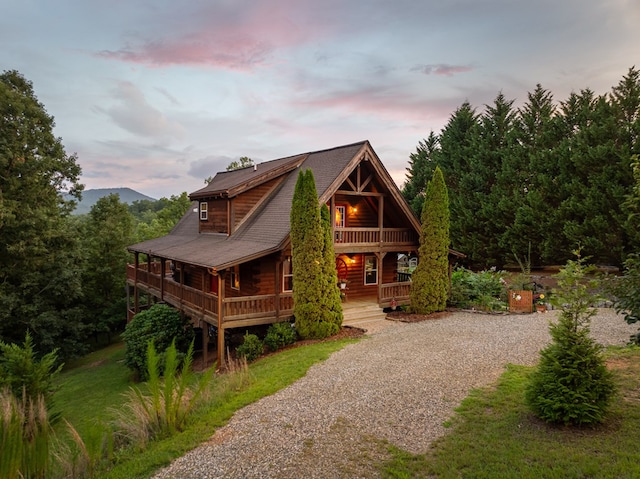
(373, 236)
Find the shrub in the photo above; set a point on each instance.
(160, 324)
(626, 292)
(279, 335)
(252, 348)
(483, 290)
(20, 370)
(571, 384)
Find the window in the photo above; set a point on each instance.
(370, 270)
(341, 211)
(203, 211)
(235, 277)
(287, 275)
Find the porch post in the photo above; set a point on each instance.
(278, 284)
(381, 218)
(162, 265)
(149, 279)
(221, 345)
(136, 296)
(205, 344)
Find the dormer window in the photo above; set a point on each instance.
(203, 211)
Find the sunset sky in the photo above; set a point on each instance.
(157, 95)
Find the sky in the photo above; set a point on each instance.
(157, 95)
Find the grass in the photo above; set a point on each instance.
(494, 435)
(90, 388)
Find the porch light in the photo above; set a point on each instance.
(354, 209)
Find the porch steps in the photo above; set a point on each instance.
(360, 313)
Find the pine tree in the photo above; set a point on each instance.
(307, 244)
(571, 384)
(421, 165)
(430, 281)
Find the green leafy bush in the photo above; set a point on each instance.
(20, 370)
(161, 325)
(279, 335)
(626, 292)
(252, 348)
(571, 384)
(483, 290)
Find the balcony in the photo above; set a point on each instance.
(386, 238)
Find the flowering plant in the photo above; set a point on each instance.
(538, 299)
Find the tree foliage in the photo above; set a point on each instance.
(571, 384)
(243, 162)
(309, 276)
(160, 325)
(553, 175)
(430, 280)
(40, 258)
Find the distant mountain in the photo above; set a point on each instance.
(90, 197)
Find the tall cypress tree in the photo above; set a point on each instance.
(332, 309)
(430, 281)
(307, 245)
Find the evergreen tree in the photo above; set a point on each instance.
(457, 144)
(430, 280)
(571, 384)
(489, 193)
(421, 165)
(332, 309)
(40, 259)
(307, 244)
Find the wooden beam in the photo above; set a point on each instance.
(221, 344)
(361, 193)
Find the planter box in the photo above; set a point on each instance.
(520, 301)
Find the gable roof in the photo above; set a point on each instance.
(267, 230)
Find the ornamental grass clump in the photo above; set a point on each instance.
(163, 407)
(571, 384)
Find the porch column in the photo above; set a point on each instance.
(205, 343)
(149, 280)
(136, 296)
(380, 258)
(381, 218)
(162, 266)
(278, 284)
(221, 345)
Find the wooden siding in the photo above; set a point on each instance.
(216, 217)
(245, 202)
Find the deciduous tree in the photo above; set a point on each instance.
(40, 280)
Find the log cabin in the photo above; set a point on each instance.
(227, 263)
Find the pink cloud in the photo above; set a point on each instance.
(442, 69)
(232, 37)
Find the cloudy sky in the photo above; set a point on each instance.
(157, 95)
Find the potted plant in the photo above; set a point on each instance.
(539, 303)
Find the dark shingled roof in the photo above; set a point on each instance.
(268, 228)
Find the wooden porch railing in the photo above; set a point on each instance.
(398, 291)
(362, 236)
(235, 309)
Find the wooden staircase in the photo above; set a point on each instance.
(359, 313)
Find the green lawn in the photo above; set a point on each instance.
(493, 435)
(89, 389)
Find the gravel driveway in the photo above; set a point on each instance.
(399, 385)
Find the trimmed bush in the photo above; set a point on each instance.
(279, 335)
(483, 290)
(161, 325)
(252, 348)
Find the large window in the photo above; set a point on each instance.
(370, 270)
(287, 275)
(203, 211)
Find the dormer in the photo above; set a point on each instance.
(232, 197)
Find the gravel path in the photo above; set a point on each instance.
(398, 385)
